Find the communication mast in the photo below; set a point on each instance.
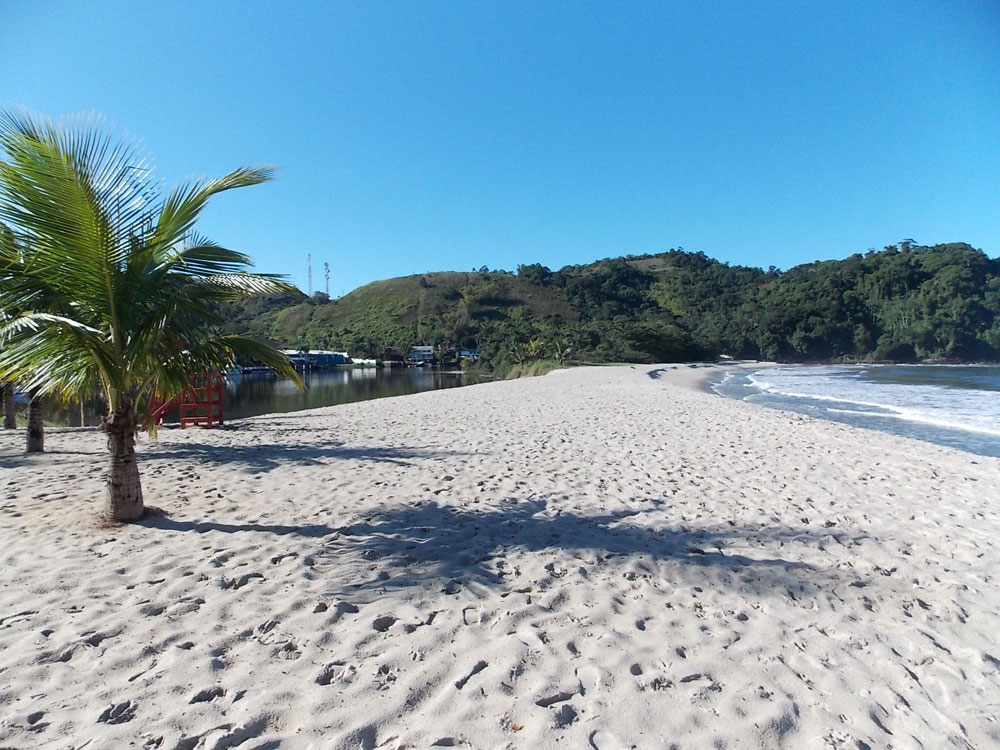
(309, 267)
(326, 271)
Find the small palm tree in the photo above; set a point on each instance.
(109, 284)
(519, 352)
(9, 418)
(561, 349)
(536, 348)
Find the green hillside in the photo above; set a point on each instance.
(903, 303)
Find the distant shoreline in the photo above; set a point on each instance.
(697, 376)
(945, 404)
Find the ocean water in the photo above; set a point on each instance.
(953, 405)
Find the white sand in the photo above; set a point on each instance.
(592, 559)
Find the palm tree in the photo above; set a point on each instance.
(110, 285)
(36, 428)
(519, 352)
(536, 347)
(8, 245)
(9, 418)
(7, 389)
(561, 349)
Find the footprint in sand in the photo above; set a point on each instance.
(118, 713)
(551, 700)
(207, 695)
(601, 740)
(590, 679)
(97, 639)
(219, 560)
(565, 716)
(329, 673)
(480, 666)
(62, 655)
(267, 626)
(289, 650)
(383, 623)
(238, 583)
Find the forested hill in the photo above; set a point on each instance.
(904, 303)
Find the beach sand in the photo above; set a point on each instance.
(597, 558)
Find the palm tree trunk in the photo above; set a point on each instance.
(36, 429)
(123, 499)
(9, 418)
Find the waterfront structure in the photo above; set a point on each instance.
(325, 358)
(421, 354)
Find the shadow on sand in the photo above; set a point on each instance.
(264, 457)
(431, 545)
(161, 520)
(50, 456)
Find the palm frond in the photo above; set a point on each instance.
(186, 202)
(76, 196)
(237, 286)
(100, 277)
(209, 259)
(55, 355)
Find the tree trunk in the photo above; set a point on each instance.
(9, 417)
(36, 430)
(123, 499)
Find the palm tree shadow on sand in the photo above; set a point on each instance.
(264, 457)
(460, 547)
(435, 546)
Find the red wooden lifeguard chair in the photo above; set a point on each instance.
(201, 404)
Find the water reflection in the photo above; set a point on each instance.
(261, 393)
(63, 413)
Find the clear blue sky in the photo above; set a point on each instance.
(416, 136)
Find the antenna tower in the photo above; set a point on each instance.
(309, 267)
(326, 272)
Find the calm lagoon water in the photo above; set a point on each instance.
(262, 393)
(957, 406)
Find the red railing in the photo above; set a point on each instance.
(199, 405)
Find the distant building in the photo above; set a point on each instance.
(392, 356)
(299, 361)
(325, 358)
(472, 354)
(421, 353)
(316, 358)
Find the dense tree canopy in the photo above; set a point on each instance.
(904, 303)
